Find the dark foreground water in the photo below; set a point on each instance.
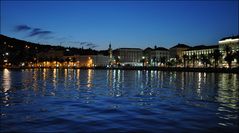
(73, 100)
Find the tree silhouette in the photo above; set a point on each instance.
(162, 60)
(204, 59)
(217, 56)
(185, 58)
(194, 58)
(178, 60)
(229, 56)
(236, 55)
(154, 60)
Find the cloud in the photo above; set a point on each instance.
(79, 43)
(22, 27)
(91, 45)
(39, 32)
(94, 46)
(33, 31)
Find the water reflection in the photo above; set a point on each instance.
(210, 95)
(89, 78)
(6, 86)
(115, 82)
(78, 79)
(228, 97)
(228, 90)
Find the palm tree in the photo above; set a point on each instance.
(162, 60)
(236, 55)
(185, 58)
(204, 60)
(229, 56)
(194, 58)
(217, 56)
(154, 60)
(178, 60)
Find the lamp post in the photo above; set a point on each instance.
(143, 60)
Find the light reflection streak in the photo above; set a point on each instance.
(35, 81)
(44, 80)
(199, 81)
(54, 77)
(44, 74)
(109, 77)
(89, 78)
(6, 80)
(78, 78)
(115, 82)
(6, 86)
(228, 93)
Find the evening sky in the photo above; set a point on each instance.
(123, 23)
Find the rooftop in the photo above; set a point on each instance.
(231, 37)
(181, 46)
(199, 47)
(128, 49)
(161, 48)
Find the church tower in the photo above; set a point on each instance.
(110, 54)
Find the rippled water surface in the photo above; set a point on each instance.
(74, 100)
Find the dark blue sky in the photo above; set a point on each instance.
(123, 23)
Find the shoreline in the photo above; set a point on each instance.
(173, 69)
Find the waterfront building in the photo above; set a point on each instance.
(232, 42)
(177, 51)
(156, 56)
(147, 56)
(88, 61)
(195, 54)
(77, 61)
(159, 55)
(128, 56)
(93, 60)
(230, 45)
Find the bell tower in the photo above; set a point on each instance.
(110, 54)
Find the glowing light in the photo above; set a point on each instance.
(89, 62)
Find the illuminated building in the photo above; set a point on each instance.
(177, 50)
(90, 60)
(200, 50)
(158, 53)
(232, 42)
(129, 56)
